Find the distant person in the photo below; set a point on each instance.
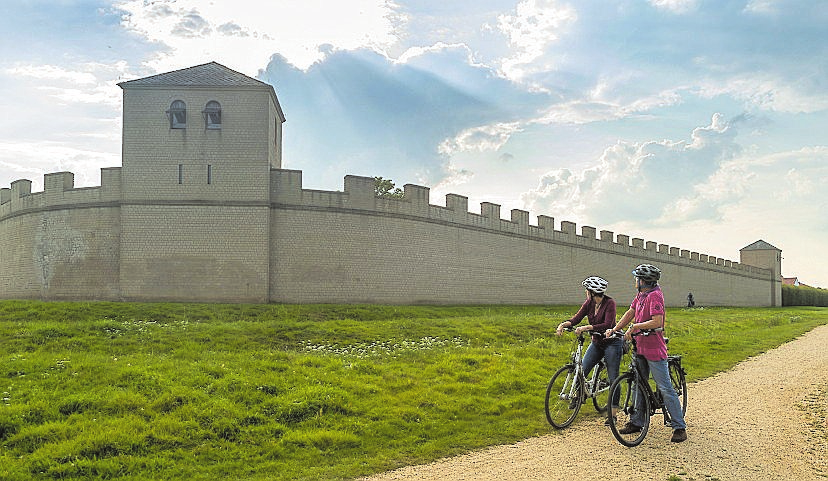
(690, 301)
(599, 309)
(648, 312)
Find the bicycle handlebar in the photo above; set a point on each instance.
(614, 334)
(647, 332)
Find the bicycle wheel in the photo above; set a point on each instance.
(677, 377)
(600, 391)
(564, 397)
(627, 391)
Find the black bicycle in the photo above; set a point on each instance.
(631, 385)
(568, 389)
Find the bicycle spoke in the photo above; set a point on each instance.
(632, 408)
(600, 394)
(564, 397)
(679, 382)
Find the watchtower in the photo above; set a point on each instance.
(200, 133)
(198, 147)
(764, 255)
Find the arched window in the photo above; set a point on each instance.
(212, 115)
(178, 115)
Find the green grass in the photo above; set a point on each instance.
(203, 391)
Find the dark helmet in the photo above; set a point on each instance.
(596, 284)
(647, 273)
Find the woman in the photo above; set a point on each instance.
(647, 312)
(599, 309)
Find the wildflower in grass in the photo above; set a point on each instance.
(379, 348)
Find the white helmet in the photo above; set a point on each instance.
(596, 284)
(647, 273)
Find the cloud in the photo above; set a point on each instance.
(488, 137)
(641, 180)
(675, 6)
(89, 82)
(192, 25)
(66, 118)
(194, 32)
(706, 194)
(761, 6)
(30, 160)
(232, 30)
(400, 120)
(453, 177)
(771, 92)
(534, 25)
(53, 73)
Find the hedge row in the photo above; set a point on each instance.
(804, 296)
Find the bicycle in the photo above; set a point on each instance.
(632, 384)
(568, 389)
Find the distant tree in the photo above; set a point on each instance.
(385, 188)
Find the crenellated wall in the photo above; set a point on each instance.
(312, 246)
(351, 246)
(62, 243)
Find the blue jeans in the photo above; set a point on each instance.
(661, 376)
(611, 350)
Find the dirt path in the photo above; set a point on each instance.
(763, 420)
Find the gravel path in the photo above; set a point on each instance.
(765, 419)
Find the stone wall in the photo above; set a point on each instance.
(61, 243)
(213, 253)
(312, 246)
(350, 246)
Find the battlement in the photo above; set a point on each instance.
(59, 192)
(359, 195)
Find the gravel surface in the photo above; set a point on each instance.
(765, 419)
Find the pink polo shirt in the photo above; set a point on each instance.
(647, 305)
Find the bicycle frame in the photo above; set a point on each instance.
(569, 389)
(654, 398)
(654, 395)
(577, 358)
(636, 395)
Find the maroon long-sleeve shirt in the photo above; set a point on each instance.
(600, 321)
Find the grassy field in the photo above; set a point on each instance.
(261, 392)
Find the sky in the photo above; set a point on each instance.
(700, 124)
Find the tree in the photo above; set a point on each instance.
(385, 188)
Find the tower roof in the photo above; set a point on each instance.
(206, 75)
(212, 75)
(759, 245)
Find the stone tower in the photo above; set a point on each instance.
(764, 255)
(198, 147)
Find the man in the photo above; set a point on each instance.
(647, 311)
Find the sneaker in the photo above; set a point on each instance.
(679, 435)
(629, 428)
